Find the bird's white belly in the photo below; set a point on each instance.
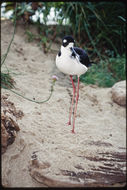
(70, 66)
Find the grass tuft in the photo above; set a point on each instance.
(7, 81)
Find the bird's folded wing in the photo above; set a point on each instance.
(75, 55)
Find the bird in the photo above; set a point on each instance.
(72, 61)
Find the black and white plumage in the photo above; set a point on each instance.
(82, 55)
(72, 61)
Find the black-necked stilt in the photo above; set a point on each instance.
(72, 61)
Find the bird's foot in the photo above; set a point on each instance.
(73, 131)
(69, 123)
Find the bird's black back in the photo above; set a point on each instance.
(84, 59)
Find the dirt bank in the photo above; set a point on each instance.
(97, 149)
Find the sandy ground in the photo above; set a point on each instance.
(100, 123)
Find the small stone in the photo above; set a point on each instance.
(119, 93)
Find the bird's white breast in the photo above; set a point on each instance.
(69, 65)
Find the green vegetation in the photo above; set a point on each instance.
(7, 80)
(98, 27)
(106, 73)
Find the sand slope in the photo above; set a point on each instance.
(100, 123)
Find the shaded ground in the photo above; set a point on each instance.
(94, 156)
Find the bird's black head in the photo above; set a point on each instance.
(66, 40)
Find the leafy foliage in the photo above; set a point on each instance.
(90, 21)
(106, 73)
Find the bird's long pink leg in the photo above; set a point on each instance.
(74, 89)
(75, 106)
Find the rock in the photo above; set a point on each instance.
(4, 138)
(9, 126)
(42, 172)
(119, 93)
(63, 169)
(8, 131)
(9, 107)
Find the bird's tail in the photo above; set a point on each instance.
(91, 62)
